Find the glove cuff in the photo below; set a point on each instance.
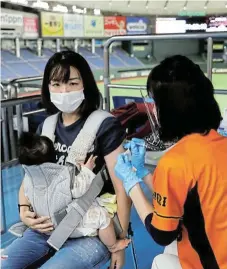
(142, 173)
(128, 187)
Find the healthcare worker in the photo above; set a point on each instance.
(189, 210)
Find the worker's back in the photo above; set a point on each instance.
(204, 238)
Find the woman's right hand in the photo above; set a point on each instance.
(40, 224)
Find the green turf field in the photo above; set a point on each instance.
(219, 81)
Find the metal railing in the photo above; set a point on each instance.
(13, 87)
(108, 85)
(11, 116)
(140, 87)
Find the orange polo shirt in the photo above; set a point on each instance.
(190, 191)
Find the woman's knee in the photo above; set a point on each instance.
(24, 251)
(86, 252)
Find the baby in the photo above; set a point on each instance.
(37, 150)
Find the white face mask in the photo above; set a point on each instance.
(67, 102)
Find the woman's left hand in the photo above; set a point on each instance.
(117, 260)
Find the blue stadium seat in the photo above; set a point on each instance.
(7, 74)
(47, 53)
(99, 51)
(27, 55)
(123, 100)
(95, 61)
(116, 62)
(24, 69)
(8, 56)
(11, 181)
(130, 61)
(40, 65)
(85, 52)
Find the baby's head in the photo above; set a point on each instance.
(35, 149)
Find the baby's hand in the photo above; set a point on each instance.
(90, 164)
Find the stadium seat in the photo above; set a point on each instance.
(85, 52)
(7, 56)
(116, 62)
(27, 55)
(24, 69)
(7, 74)
(129, 61)
(40, 65)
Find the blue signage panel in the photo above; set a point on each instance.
(137, 25)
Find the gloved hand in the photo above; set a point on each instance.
(138, 150)
(124, 171)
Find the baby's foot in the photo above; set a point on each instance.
(119, 245)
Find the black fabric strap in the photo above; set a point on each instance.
(29, 206)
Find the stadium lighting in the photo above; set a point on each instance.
(21, 2)
(128, 3)
(205, 6)
(60, 8)
(110, 3)
(85, 10)
(78, 10)
(147, 4)
(166, 4)
(41, 4)
(226, 5)
(185, 5)
(97, 11)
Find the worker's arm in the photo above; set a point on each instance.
(170, 192)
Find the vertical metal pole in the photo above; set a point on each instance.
(13, 90)
(3, 214)
(27, 43)
(5, 141)
(39, 47)
(17, 41)
(76, 45)
(11, 133)
(93, 45)
(2, 92)
(58, 45)
(209, 57)
(19, 120)
(106, 79)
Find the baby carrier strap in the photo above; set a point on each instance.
(72, 215)
(85, 139)
(49, 126)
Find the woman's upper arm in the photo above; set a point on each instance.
(110, 137)
(22, 198)
(111, 160)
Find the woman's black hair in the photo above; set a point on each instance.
(184, 98)
(58, 68)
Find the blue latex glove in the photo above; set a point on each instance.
(124, 171)
(138, 150)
